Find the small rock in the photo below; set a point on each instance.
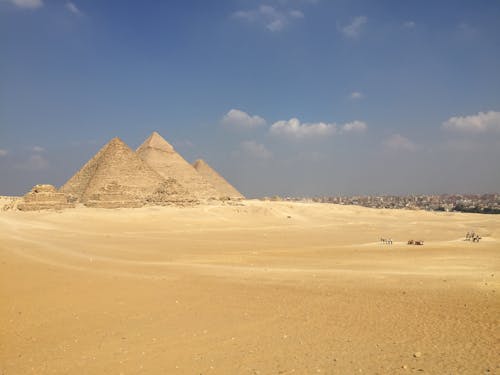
(405, 367)
(417, 354)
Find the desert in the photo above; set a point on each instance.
(249, 187)
(253, 288)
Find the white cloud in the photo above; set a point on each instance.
(27, 4)
(409, 24)
(241, 119)
(354, 127)
(294, 129)
(71, 7)
(480, 123)
(3, 152)
(296, 14)
(273, 19)
(256, 150)
(398, 142)
(356, 95)
(38, 149)
(353, 30)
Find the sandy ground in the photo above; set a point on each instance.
(263, 288)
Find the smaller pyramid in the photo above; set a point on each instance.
(114, 177)
(170, 192)
(162, 157)
(44, 197)
(220, 183)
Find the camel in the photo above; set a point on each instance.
(415, 242)
(472, 236)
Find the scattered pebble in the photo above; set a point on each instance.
(417, 354)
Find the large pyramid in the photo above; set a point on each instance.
(117, 177)
(220, 183)
(162, 157)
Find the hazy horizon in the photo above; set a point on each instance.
(283, 97)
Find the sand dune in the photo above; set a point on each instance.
(254, 288)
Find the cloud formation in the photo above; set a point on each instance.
(409, 24)
(398, 142)
(240, 119)
(38, 149)
(273, 19)
(294, 129)
(27, 4)
(3, 152)
(256, 150)
(356, 95)
(353, 30)
(354, 127)
(480, 123)
(71, 7)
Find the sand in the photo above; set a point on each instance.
(261, 288)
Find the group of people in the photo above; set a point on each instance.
(388, 241)
(472, 236)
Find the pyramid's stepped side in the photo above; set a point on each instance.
(42, 197)
(220, 183)
(170, 192)
(116, 177)
(162, 157)
(119, 165)
(75, 187)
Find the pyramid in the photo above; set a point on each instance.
(114, 177)
(43, 197)
(162, 157)
(220, 183)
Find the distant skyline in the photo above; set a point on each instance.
(283, 97)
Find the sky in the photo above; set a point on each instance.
(282, 97)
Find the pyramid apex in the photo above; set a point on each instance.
(199, 162)
(155, 140)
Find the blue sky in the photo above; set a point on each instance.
(296, 97)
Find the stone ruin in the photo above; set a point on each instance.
(119, 177)
(158, 154)
(42, 197)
